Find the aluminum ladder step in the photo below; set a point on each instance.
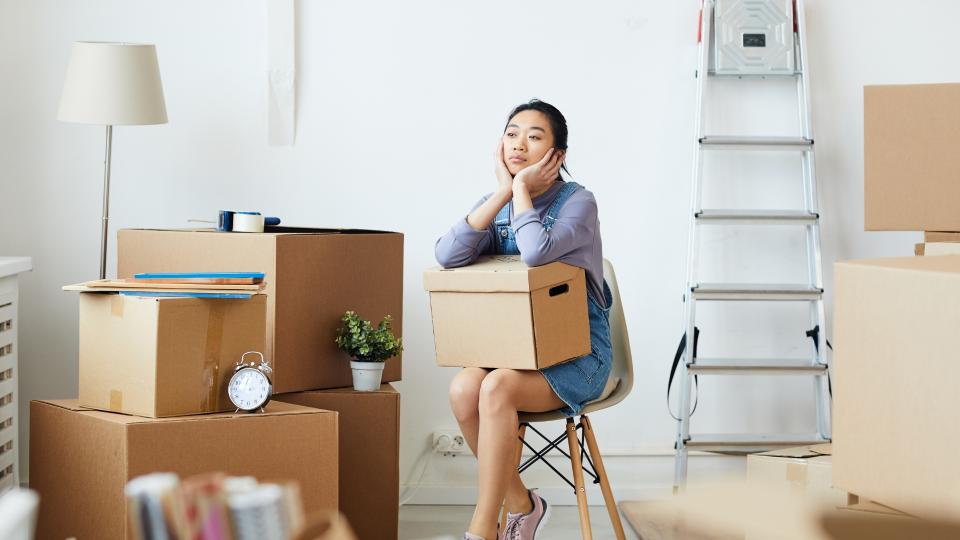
(758, 442)
(756, 366)
(756, 291)
(756, 217)
(774, 143)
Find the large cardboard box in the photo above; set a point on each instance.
(312, 277)
(911, 167)
(164, 356)
(500, 313)
(805, 469)
(80, 460)
(369, 455)
(895, 402)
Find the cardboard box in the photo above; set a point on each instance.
(895, 432)
(80, 460)
(312, 277)
(941, 248)
(911, 168)
(164, 356)
(805, 469)
(500, 313)
(369, 455)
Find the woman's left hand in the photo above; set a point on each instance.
(539, 176)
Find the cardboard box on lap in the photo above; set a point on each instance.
(500, 313)
(369, 455)
(80, 460)
(894, 367)
(161, 357)
(312, 277)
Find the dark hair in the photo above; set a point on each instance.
(558, 124)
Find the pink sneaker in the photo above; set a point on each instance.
(527, 526)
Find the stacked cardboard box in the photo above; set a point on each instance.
(312, 277)
(894, 426)
(168, 360)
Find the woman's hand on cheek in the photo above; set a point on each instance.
(538, 177)
(504, 178)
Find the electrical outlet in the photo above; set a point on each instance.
(449, 442)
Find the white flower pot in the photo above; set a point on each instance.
(366, 375)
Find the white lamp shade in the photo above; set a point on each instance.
(113, 84)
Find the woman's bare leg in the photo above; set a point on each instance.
(503, 392)
(465, 402)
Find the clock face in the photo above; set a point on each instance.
(249, 389)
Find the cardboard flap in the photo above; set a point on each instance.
(275, 231)
(800, 452)
(274, 408)
(498, 273)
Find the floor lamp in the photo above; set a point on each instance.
(112, 84)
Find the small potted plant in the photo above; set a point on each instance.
(369, 347)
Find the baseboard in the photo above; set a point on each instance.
(559, 496)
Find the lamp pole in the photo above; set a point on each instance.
(106, 204)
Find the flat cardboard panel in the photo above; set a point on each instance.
(911, 166)
(164, 356)
(483, 329)
(894, 382)
(558, 317)
(369, 455)
(76, 466)
(118, 353)
(941, 248)
(319, 277)
(80, 460)
(312, 277)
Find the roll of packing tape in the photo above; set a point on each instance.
(247, 222)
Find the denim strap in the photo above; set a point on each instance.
(568, 189)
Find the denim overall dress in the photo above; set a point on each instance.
(578, 381)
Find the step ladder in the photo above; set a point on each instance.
(691, 365)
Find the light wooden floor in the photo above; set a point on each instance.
(449, 522)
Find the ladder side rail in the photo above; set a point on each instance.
(683, 425)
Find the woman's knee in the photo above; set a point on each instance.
(497, 391)
(465, 393)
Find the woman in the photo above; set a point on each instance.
(536, 214)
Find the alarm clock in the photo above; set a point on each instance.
(250, 387)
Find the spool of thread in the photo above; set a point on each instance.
(248, 222)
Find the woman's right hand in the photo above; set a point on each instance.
(504, 178)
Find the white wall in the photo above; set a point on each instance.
(399, 108)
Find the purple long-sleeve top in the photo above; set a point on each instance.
(574, 238)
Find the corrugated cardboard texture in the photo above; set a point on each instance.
(164, 356)
(369, 455)
(895, 432)
(911, 166)
(312, 278)
(80, 460)
(500, 313)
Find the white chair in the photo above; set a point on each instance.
(618, 387)
(18, 514)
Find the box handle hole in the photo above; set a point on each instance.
(559, 289)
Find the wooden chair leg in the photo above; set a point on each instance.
(604, 481)
(578, 480)
(520, 434)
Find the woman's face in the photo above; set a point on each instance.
(526, 140)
